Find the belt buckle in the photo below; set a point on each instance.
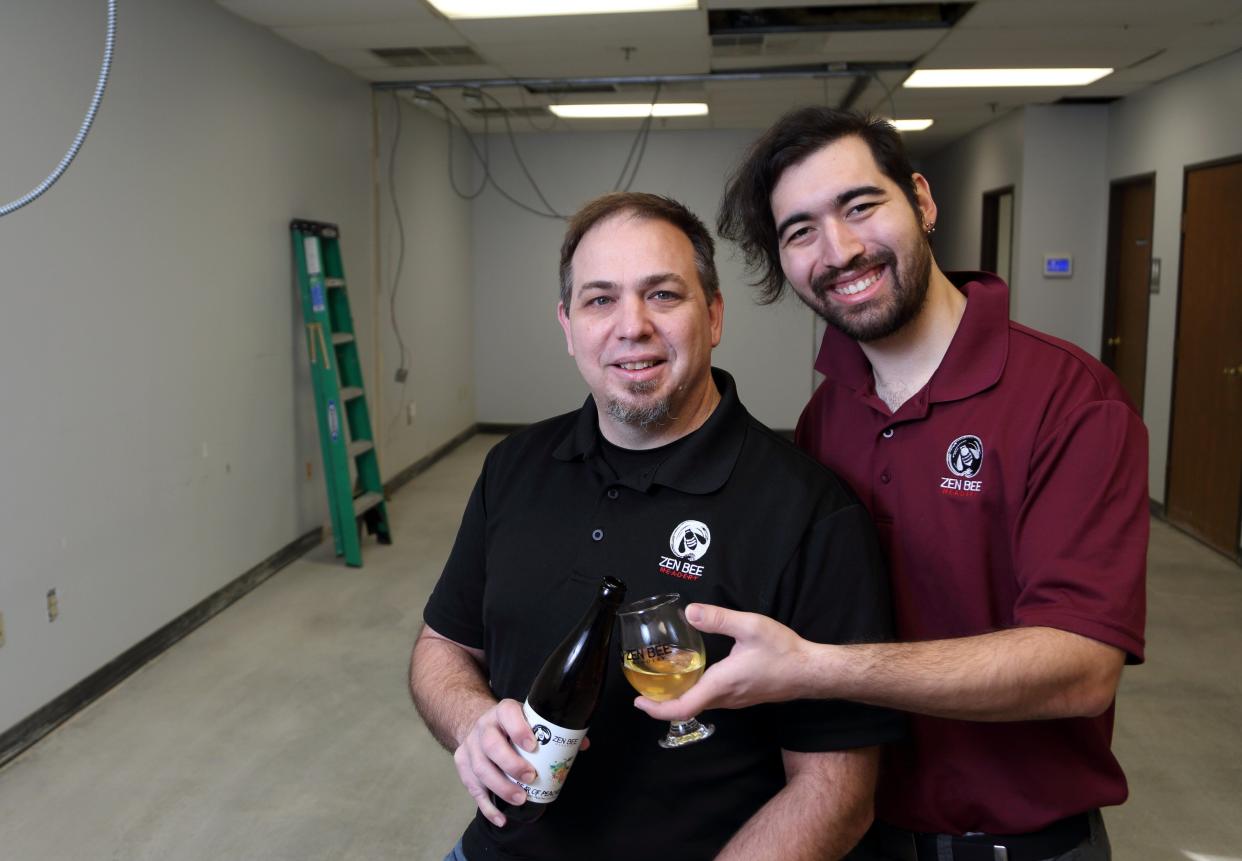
(999, 853)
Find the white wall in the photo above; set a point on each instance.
(434, 307)
(522, 369)
(985, 160)
(157, 400)
(1063, 210)
(1054, 156)
(1191, 118)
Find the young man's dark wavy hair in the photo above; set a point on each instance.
(640, 205)
(746, 209)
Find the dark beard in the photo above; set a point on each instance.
(869, 323)
(657, 413)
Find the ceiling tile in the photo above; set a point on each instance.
(387, 34)
(300, 13)
(652, 56)
(901, 46)
(1045, 46)
(1070, 14)
(1146, 40)
(557, 30)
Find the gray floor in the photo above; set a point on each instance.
(282, 728)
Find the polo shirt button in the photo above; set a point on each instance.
(613, 493)
(884, 477)
(888, 433)
(598, 535)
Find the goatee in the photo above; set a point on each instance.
(641, 415)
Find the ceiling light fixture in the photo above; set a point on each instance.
(530, 8)
(911, 125)
(600, 112)
(1005, 77)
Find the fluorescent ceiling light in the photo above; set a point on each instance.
(528, 8)
(598, 112)
(911, 125)
(1005, 77)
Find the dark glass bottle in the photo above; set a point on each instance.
(562, 700)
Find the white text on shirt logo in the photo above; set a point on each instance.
(964, 459)
(688, 543)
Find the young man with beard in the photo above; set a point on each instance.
(1006, 472)
(660, 468)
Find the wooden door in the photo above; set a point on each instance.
(1205, 448)
(1128, 284)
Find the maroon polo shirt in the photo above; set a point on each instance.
(1010, 491)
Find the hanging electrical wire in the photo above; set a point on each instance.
(105, 68)
(402, 371)
(643, 131)
(483, 158)
(888, 94)
(504, 113)
(451, 116)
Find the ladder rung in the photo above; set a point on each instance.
(350, 392)
(366, 502)
(342, 338)
(334, 282)
(361, 446)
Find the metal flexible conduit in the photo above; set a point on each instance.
(86, 123)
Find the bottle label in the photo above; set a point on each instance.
(554, 753)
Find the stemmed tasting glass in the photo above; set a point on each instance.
(663, 657)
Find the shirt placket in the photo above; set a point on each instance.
(599, 550)
(885, 471)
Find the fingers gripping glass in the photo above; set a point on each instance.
(662, 657)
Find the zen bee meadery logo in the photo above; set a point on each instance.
(688, 543)
(964, 459)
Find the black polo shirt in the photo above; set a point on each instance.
(733, 515)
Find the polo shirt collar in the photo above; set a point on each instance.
(973, 362)
(702, 464)
(977, 353)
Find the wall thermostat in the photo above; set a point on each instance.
(1058, 265)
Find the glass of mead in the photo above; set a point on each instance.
(663, 657)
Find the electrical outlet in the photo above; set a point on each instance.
(53, 605)
(411, 410)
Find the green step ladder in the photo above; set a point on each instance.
(340, 397)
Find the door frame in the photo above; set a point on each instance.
(1113, 265)
(1177, 336)
(989, 229)
(1113, 262)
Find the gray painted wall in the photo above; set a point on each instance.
(158, 412)
(987, 159)
(1054, 157)
(434, 299)
(1063, 210)
(523, 372)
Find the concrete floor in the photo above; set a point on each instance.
(282, 728)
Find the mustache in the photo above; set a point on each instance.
(821, 282)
